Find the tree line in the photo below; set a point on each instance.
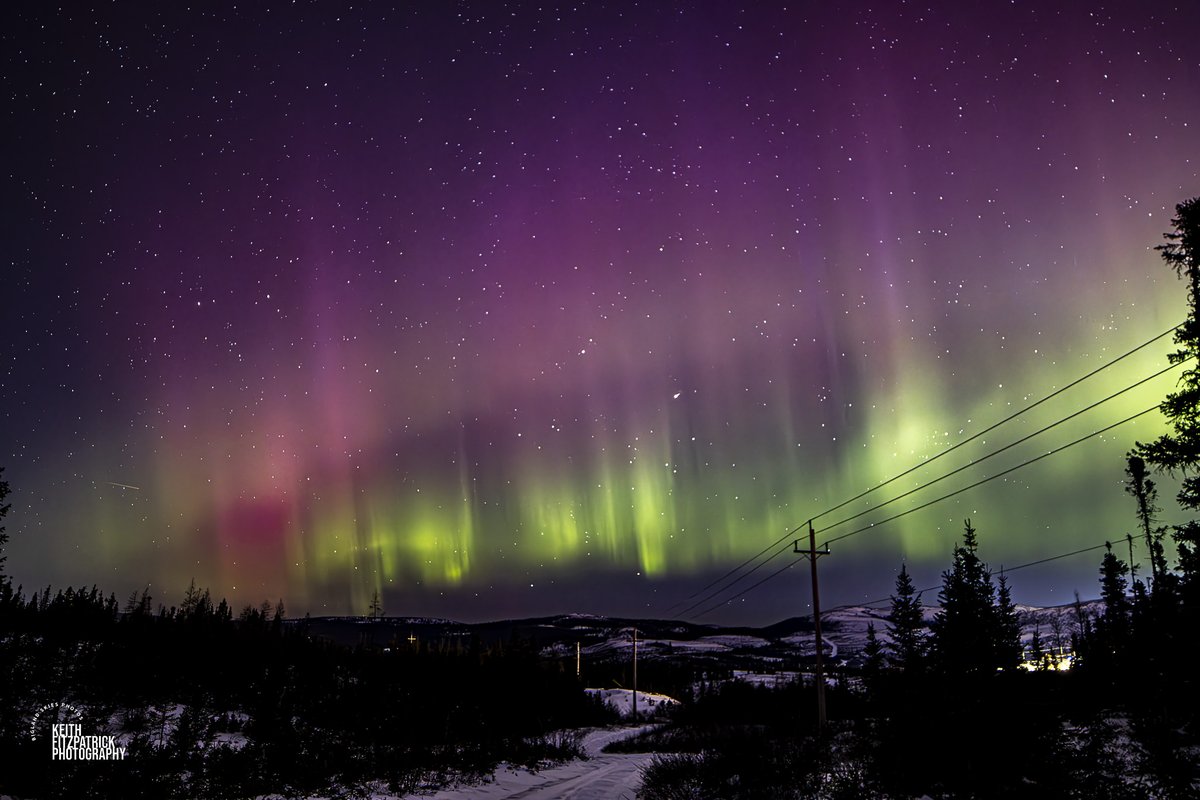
(213, 704)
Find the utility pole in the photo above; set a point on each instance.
(812, 554)
(635, 674)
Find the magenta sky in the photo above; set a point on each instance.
(519, 309)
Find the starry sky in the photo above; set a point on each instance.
(510, 308)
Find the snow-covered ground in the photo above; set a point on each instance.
(604, 776)
(773, 680)
(622, 701)
(806, 643)
(659, 646)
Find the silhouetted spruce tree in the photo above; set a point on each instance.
(1179, 450)
(907, 624)
(1113, 584)
(874, 661)
(4, 508)
(1008, 627)
(1145, 494)
(964, 633)
(278, 616)
(1037, 651)
(1081, 632)
(1175, 596)
(1141, 616)
(1187, 540)
(1110, 641)
(191, 600)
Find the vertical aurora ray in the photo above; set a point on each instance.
(368, 537)
(469, 306)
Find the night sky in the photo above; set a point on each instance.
(509, 309)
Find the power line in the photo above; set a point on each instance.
(730, 585)
(1022, 440)
(903, 513)
(750, 560)
(888, 599)
(1002, 572)
(745, 591)
(914, 468)
(993, 427)
(1026, 463)
(1053, 558)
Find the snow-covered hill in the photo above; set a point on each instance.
(766, 652)
(648, 703)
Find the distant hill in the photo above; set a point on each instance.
(787, 641)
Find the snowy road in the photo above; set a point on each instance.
(603, 777)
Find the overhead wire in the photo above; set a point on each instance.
(1004, 421)
(1003, 571)
(748, 561)
(1025, 463)
(920, 507)
(733, 571)
(1009, 446)
(745, 591)
(711, 595)
(707, 597)
(918, 592)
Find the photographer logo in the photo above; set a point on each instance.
(68, 742)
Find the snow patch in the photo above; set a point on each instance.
(622, 700)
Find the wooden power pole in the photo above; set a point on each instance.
(812, 554)
(635, 675)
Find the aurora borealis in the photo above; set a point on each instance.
(516, 309)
